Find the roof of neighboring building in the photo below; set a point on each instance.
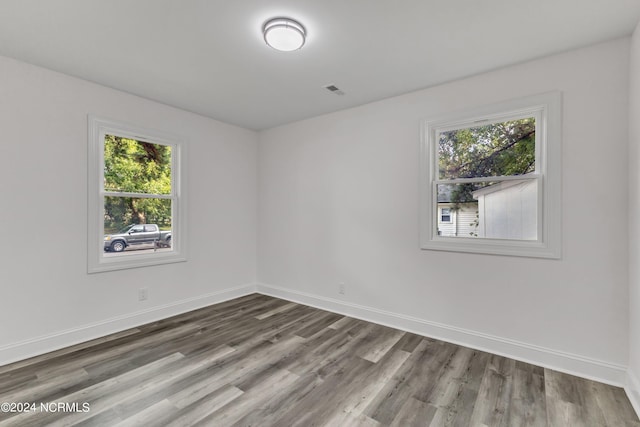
(444, 193)
(498, 187)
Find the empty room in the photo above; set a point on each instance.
(320, 213)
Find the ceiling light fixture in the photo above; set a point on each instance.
(284, 34)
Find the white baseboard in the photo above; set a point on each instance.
(573, 364)
(47, 343)
(585, 367)
(632, 387)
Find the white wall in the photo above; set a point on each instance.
(48, 299)
(338, 202)
(633, 386)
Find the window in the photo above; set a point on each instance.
(136, 197)
(498, 169)
(445, 215)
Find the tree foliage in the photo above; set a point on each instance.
(498, 149)
(136, 167)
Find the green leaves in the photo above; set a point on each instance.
(499, 149)
(133, 166)
(136, 167)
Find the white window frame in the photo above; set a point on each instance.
(450, 214)
(547, 109)
(97, 262)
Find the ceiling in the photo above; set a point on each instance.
(208, 56)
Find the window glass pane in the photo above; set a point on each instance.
(136, 166)
(498, 149)
(127, 220)
(494, 210)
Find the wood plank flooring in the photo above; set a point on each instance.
(262, 361)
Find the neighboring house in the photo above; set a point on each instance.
(508, 210)
(456, 221)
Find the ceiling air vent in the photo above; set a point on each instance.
(334, 89)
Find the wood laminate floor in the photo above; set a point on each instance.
(262, 361)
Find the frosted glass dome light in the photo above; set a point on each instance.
(284, 34)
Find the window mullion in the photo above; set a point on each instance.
(486, 179)
(137, 195)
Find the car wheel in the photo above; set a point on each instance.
(118, 246)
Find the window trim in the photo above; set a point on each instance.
(450, 215)
(96, 262)
(547, 173)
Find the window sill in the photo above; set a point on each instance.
(532, 249)
(127, 260)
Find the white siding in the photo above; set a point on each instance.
(461, 220)
(446, 228)
(509, 211)
(467, 216)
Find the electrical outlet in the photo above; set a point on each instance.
(342, 288)
(143, 294)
